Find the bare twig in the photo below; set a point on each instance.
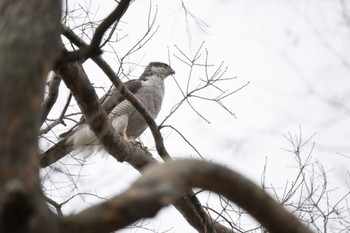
(94, 48)
(308, 194)
(211, 80)
(59, 120)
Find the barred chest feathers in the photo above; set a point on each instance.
(152, 89)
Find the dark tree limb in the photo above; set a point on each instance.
(28, 50)
(161, 185)
(94, 48)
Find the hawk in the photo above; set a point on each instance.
(126, 120)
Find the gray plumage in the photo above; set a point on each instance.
(127, 121)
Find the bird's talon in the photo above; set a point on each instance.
(131, 140)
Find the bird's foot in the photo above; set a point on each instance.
(133, 141)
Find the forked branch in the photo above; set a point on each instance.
(94, 48)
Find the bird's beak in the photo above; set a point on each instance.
(172, 71)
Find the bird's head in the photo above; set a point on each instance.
(160, 69)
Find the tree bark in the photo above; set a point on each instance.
(29, 36)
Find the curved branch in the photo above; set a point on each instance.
(161, 185)
(94, 47)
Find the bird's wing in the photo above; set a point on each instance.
(112, 99)
(116, 98)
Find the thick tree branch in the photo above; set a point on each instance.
(161, 185)
(94, 48)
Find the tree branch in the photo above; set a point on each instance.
(161, 185)
(94, 48)
(51, 97)
(59, 120)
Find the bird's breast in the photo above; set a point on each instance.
(151, 96)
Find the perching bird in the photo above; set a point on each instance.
(127, 121)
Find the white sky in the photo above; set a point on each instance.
(294, 54)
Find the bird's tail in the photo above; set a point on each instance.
(81, 139)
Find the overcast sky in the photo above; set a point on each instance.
(293, 54)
